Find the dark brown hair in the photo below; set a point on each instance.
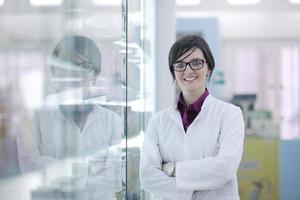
(187, 43)
(79, 44)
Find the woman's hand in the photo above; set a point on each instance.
(169, 168)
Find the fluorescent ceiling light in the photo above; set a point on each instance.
(187, 2)
(46, 2)
(108, 2)
(295, 1)
(243, 2)
(1, 2)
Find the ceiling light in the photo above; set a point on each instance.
(187, 2)
(295, 1)
(1, 2)
(108, 2)
(243, 2)
(46, 2)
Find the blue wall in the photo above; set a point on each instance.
(290, 170)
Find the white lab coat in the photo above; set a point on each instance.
(51, 137)
(207, 155)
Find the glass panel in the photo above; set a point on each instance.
(63, 100)
(140, 94)
(73, 97)
(135, 97)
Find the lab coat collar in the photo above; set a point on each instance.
(206, 102)
(57, 113)
(175, 114)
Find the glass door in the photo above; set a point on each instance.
(72, 99)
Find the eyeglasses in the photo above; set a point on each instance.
(194, 64)
(83, 62)
(87, 66)
(73, 67)
(75, 64)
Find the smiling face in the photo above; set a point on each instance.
(192, 81)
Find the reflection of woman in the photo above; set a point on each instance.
(193, 150)
(76, 130)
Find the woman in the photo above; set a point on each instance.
(193, 149)
(72, 128)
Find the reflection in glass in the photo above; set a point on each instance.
(87, 135)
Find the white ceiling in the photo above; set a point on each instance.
(273, 6)
(270, 19)
(19, 20)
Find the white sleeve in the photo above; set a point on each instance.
(213, 172)
(153, 179)
(108, 180)
(28, 141)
